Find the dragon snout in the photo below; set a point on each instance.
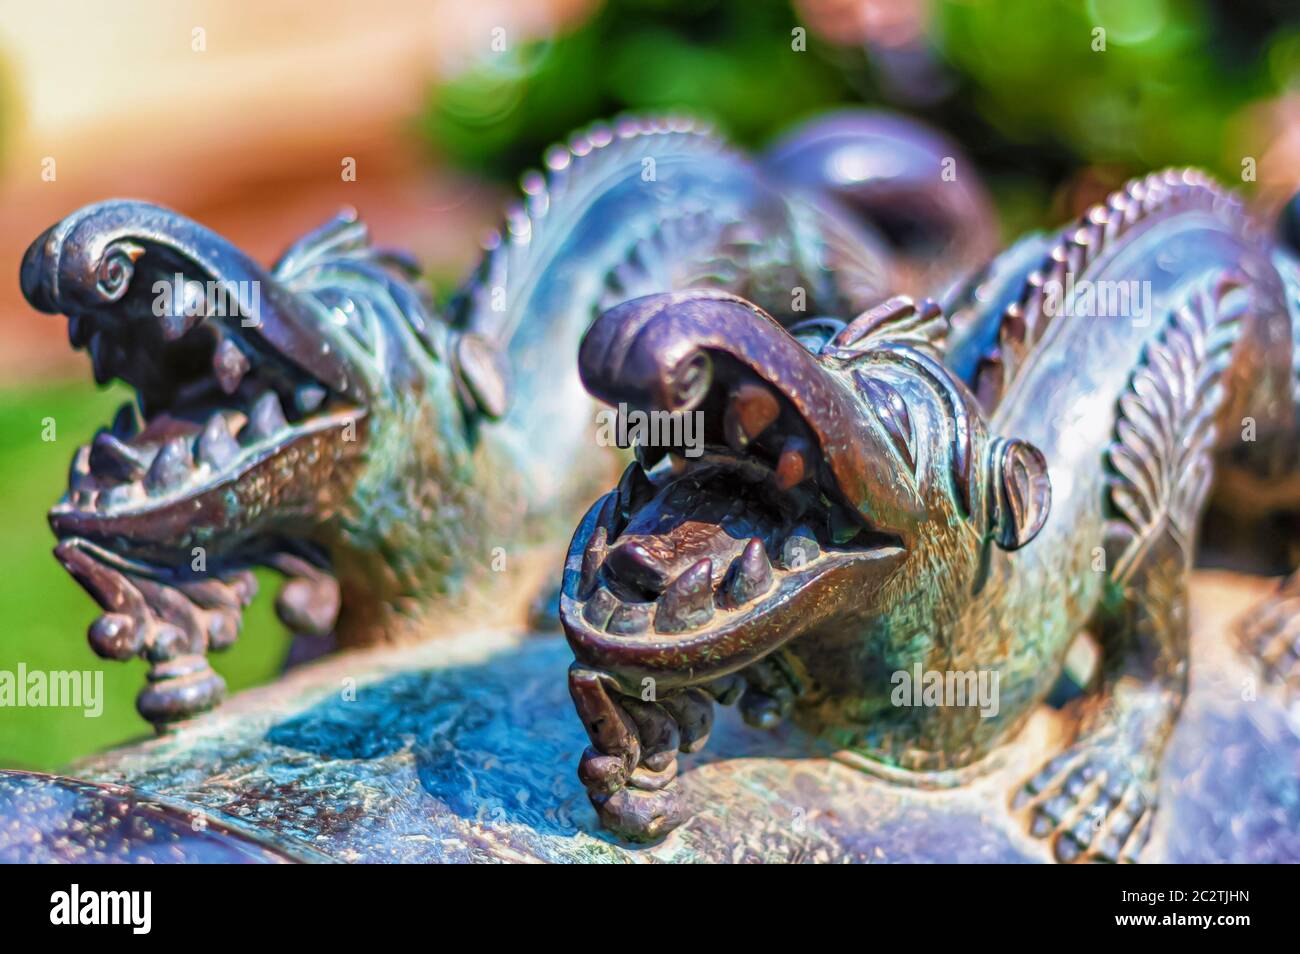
(651, 352)
(666, 352)
(87, 261)
(36, 277)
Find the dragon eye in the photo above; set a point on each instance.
(890, 409)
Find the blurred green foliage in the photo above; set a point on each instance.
(45, 612)
(724, 60)
(1140, 83)
(1019, 83)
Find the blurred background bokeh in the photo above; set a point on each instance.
(240, 115)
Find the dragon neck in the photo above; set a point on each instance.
(1129, 409)
(433, 514)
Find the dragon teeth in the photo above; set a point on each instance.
(750, 412)
(629, 619)
(111, 458)
(650, 458)
(267, 418)
(793, 467)
(126, 422)
(187, 311)
(176, 323)
(118, 496)
(633, 562)
(80, 485)
(749, 575)
(229, 364)
(844, 525)
(216, 447)
(308, 397)
(606, 611)
(99, 358)
(79, 330)
(600, 608)
(171, 468)
(688, 602)
(592, 558)
(80, 464)
(634, 489)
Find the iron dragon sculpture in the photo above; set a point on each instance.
(883, 489)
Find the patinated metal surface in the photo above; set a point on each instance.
(461, 750)
(48, 819)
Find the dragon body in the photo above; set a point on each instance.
(867, 519)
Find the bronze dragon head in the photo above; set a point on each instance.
(844, 505)
(259, 393)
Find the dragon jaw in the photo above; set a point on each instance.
(826, 480)
(242, 395)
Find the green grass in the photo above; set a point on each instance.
(45, 614)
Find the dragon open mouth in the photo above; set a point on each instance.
(216, 425)
(695, 565)
(244, 410)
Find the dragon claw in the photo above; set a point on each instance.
(640, 816)
(170, 623)
(1094, 803)
(771, 689)
(630, 769)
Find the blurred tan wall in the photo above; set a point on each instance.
(238, 114)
